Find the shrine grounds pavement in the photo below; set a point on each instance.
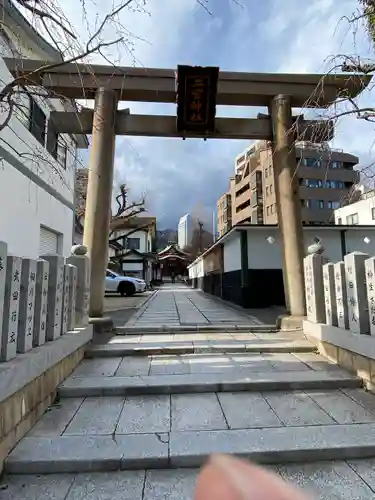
(177, 306)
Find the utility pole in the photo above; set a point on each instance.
(288, 205)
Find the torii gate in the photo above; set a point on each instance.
(193, 88)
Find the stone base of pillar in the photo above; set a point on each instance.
(287, 323)
(102, 325)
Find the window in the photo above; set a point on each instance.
(132, 243)
(352, 219)
(373, 213)
(268, 210)
(336, 164)
(38, 123)
(333, 204)
(62, 152)
(311, 162)
(313, 183)
(334, 184)
(271, 188)
(22, 107)
(314, 204)
(339, 221)
(52, 139)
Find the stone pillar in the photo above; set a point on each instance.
(65, 306)
(99, 195)
(3, 269)
(11, 308)
(72, 297)
(26, 309)
(370, 284)
(356, 292)
(313, 265)
(341, 295)
(288, 204)
(82, 263)
(55, 295)
(41, 303)
(330, 294)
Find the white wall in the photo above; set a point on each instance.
(355, 240)
(265, 255)
(197, 269)
(144, 238)
(132, 266)
(25, 205)
(363, 208)
(232, 253)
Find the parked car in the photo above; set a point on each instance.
(124, 285)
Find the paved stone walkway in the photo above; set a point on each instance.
(178, 306)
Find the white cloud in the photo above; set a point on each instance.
(275, 35)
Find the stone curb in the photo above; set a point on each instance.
(103, 351)
(72, 454)
(75, 387)
(131, 330)
(141, 310)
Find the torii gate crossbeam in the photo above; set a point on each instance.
(278, 92)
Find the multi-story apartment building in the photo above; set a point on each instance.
(224, 214)
(326, 176)
(37, 164)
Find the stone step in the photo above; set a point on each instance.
(148, 328)
(73, 454)
(352, 480)
(149, 348)
(207, 382)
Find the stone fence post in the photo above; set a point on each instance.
(41, 303)
(356, 292)
(9, 331)
(81, 261)
(55, 295)
(313, 266)
(370, 284)
(330, 294)
(341, 295)
(27, 302)
(72, 273)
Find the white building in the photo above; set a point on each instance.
(37, 171)
(134, 250)
(186, 226)
(245, 265)
(361, 212)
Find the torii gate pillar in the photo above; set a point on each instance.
(288, 204)
(99, 195)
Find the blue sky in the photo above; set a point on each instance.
(295, 36)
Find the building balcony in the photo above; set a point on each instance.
(325, 194)
(331, 174)
(242, 198)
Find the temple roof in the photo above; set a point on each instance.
(173, 250)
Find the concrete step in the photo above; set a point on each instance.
(352, 480)
(146, 345)
(147, 328)
(72, 454)
(208, 382)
